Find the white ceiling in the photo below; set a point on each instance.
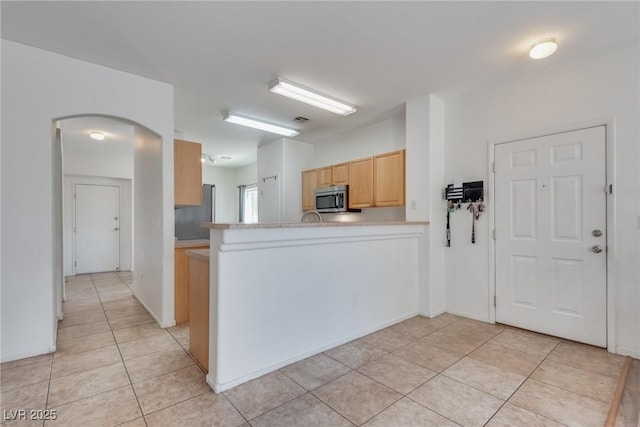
(220, 56)
(118, 141)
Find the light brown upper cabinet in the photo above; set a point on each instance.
(388, 185)
(340, 174)
(361, 183)
(187, 170)
(325, 176)
(309, 184)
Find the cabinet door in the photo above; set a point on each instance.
(361, 183)
(325, 176)
(199, 311)
(389, 179)
(187, 170)
(341, 174)
(181, 284)
(309, 184)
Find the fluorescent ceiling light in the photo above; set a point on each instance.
(232, 118)
(98, 136)
(543, 48)
(310, 96)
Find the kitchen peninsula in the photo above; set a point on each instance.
(282, 292)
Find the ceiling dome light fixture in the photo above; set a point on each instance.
(98, 136)
(543, 48)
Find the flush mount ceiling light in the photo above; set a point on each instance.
(244, 121)
(543, 48)
(98, 136)
(310, 96)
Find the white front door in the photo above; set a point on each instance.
(97, 228)
(550, 216)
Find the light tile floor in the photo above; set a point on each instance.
(115, 366)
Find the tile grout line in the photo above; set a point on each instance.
(236, 409)
(520, 386)
(46, 406)
(402, 395)
(120, 353)
(440, 373)
(46, 402)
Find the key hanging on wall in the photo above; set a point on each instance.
(471, 207)
(450, 208)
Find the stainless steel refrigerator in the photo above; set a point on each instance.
(188, 218)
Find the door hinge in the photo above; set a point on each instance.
(75, 263)
(493, 233)
(74, 195)
(609, 189)
(493, 167)
(494, 300)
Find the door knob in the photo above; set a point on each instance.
(596, 233)
(116, 229)
(596, 248)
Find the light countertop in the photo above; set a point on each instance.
(192, 243)
(240, 226)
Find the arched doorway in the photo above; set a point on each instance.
(125, 166)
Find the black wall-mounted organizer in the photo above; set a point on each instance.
(471, 193)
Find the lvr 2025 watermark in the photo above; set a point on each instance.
(29, 414)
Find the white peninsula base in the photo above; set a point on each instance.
(283, 292)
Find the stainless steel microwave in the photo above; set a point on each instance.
(333, 199)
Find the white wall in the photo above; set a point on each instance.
(286, 159)
(226, 191)
(275, 305)
(601, 86)
(424, 182)
(39, 87)
(382, 137)
(148, 238)
(126, 218)
(297, 157)
(109, 165)
(247, 175)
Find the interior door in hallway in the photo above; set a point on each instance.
(550, 249)
(97, 228)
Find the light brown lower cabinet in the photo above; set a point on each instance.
(181, 284)
(199, 309)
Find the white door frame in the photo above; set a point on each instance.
(126, 216)
(609, 124)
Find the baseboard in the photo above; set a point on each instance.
(25, 355)
(469, 315)
(432, 315)
(628, 352)
(146, 307)
(220, 387)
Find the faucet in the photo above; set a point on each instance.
(307, 213)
